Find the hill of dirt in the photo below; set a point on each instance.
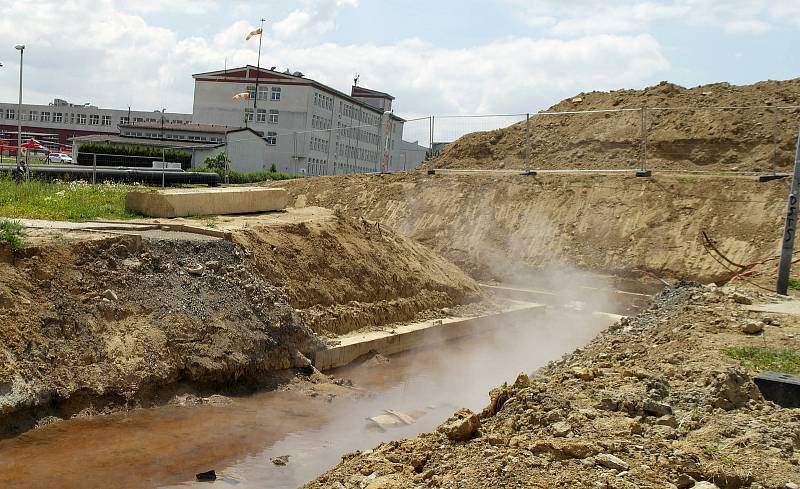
(94, 325)
(654, 402)
(692, 137)
(516, 228)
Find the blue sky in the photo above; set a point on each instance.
(444, 57)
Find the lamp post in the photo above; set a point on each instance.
(21, 49)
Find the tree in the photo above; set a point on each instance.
(217, 162)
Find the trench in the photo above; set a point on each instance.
(166, 446)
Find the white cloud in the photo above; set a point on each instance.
(113, 57)
(582, 17)
(315, 18)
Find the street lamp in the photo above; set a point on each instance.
(21, 49)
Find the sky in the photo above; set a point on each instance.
(436, 57)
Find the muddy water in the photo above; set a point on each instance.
(165, 447)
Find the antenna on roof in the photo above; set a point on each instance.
(355, 80)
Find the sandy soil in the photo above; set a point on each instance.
(515, 228)
(651, 403)
(695, 139)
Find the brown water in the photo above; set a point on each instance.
(165, 447)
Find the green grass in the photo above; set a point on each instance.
(794, 284)
(62, 201)
(759, 359)
(12, 233)
(685, 180)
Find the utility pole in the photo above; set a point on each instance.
(258, 70)
(21, 49)
(787, 246)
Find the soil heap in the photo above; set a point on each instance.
(691, 138)
(654, 402)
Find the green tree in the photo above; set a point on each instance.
(217, 162)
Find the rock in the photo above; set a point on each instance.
(753, 327)
(733, 389)
(213, 265)
(611, 462)
(792, 485)
(195, 270)
(110, 295)
(655, 408)
(282, 460)
(685, 481)
(667, 420)
(584, 373)
(705, 485)
(740, 298)
(206, 476)
(562, 428)
(462, 426)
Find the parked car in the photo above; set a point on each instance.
(59, 158)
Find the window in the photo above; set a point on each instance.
(33, 115)
(124, 120)
(45, 116)
(58, 117)
(138, 119)
(94, 120)
(261, 115)
(251, 90)
(273, 116)
(72, 118)
(272, 138)
(11, 114)
(81, 118)
(276, 93)
(106, 120)
(248, 115)
(263, 92)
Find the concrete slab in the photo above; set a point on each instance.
(206, 201)
(788, 307)
(410, 336)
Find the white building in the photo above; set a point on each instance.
(309, 128)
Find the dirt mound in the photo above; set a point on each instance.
(690, 138)
(348, 273)
(516, 228)
(652, 402)
(89, 327)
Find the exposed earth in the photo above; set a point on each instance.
(692, 137)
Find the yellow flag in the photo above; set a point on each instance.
(256, 32)
(241, 96)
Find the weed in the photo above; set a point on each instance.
(65, 201)
(759, 359)
(794, 284)
(12, 233)
(211, 224)
(685, 180)
(711, 451)
(338, 212)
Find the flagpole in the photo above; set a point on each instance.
(258, 72)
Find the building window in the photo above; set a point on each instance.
(45, 116)
(58, 117)
(263, 92)
(251, 91)
(94, 120)
(124, 120)
(273, 116)
(82, 119)
(276, 93)
(33, 115)
(11, 114)
(138, 119)
(106, 120)
(248, 115)
(72, 118)
(272, 138)
(261, 115)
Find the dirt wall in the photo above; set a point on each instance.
(512, 228)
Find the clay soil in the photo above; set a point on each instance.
(517, 228)
(691, 138)
(92, 323)
(653, 402)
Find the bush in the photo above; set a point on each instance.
(11, 233)
(138, 156)
(252, 177)
(217, 162)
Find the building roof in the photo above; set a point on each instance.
(367, 93)
(187, 127)
(247, 74)
(165, 143)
